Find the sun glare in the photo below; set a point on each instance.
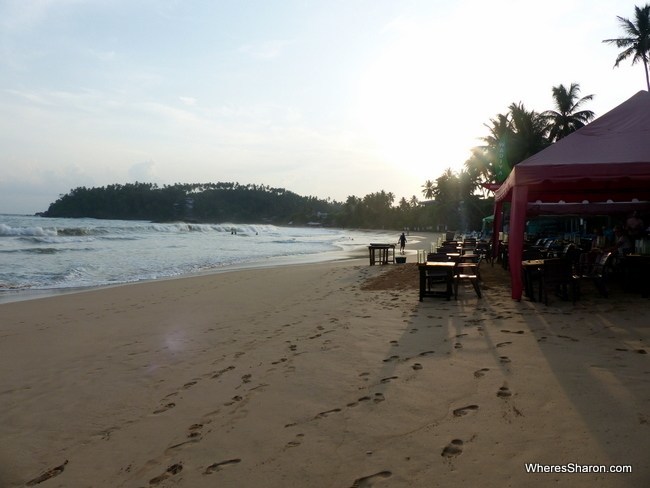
(400, 107)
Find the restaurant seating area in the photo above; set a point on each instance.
(450, 265)
(569, 268)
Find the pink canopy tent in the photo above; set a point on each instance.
(605, 162)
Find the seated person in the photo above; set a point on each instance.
(634, 226)
(623, 245)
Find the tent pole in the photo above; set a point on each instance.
(516, 238)
(496, 228)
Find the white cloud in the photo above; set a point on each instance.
(144, 172)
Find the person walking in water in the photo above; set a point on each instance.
(402, 243)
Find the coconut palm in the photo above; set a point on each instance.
(428, 189)
(567, 118)
(530, 129)
(636, 42)
(499, 145)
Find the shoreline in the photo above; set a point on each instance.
(18, 295)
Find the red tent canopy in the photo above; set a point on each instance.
(607, 161)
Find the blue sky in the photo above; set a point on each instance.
(326, 98)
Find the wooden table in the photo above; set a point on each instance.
(385, 255)
(448, 267)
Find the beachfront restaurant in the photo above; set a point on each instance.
(602, 169)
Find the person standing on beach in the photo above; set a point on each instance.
(402, 243)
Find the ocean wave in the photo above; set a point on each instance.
(45, 250)
(8, 231)
(41, 250)
(80, 231)
(55, 239)
(36, 253)
(227, 228)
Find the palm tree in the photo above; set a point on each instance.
(567, 118)
(428, 189)
(530, 130)
(636, 44)
(499, 147)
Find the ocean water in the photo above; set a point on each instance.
(40, 254)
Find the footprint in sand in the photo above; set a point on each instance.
(217, 466)
(175, 447)
(504, 392)
(426, 353)
(194, 430)
(164, 408)
(326, 413)
(568, 337)
(171, 471)
(297, 442)
(222, 371)
(479, 373)
(454, 448)
(50, 473)
(390, 359)
(458, 345)
(512, 331)
(504, 359)
(501, 344)
(362, 399)
(246, 378)
(233, 400)
(379, 397)
(386, 380)
(459, 412)
(417, 366)
(367, 481)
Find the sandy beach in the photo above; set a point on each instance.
(322, 375)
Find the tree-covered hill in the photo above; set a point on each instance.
(453, 208)
(211, 202)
